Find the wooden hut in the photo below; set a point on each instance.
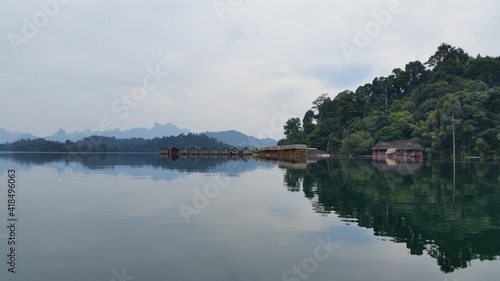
(184, 151)
(204, 151)
(174, 151)
(194, 151)
(224, 151)
(246, 151)
(164, 151)
(214, 151)
(398, 148)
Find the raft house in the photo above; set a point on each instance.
(398, 149)
(194, 151)
(292, 150)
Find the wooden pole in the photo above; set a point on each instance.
(453, 120)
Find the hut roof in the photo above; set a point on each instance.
(398, 144)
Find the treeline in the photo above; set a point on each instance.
(112, 144)
(423, 101)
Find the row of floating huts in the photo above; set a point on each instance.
(292, 150)
(205, 151)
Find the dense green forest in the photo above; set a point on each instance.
(423, 101)
(112, 144)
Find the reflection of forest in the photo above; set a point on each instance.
(401, 166)
(97, 161)
(454, 224)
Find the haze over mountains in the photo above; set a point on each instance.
(232, 137)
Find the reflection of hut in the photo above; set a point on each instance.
(164, 151)
(398, 166)
(174, 150)
(398, 148)
(235, 151)
(224, 151)
(184, 151)
(246, 151)
(291, 162)
(195, 151)
(204, 151)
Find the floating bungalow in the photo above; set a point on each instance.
(398, 148)
(214, 151)
(205, 151)
(164, 151)
(184, 151)
(292, 150)
(246, 151)
(194, 151)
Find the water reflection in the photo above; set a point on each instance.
(455, 221)
(414, 203)
(132, 163)
(401, 166)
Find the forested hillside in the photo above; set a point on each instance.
(112, 144)
(422, 101)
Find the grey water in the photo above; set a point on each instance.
(116, 217)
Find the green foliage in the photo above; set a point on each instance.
(293, 132)
(485, 69)
(292, 127)
(453, 218)
(357, 143)
(421, 101)
(112, 144)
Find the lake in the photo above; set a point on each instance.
(117, 217)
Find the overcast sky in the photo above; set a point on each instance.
(212, 66)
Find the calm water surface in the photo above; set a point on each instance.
(117, 217)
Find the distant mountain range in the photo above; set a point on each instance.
(6, 136)
(239, 139)
(231, 137)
